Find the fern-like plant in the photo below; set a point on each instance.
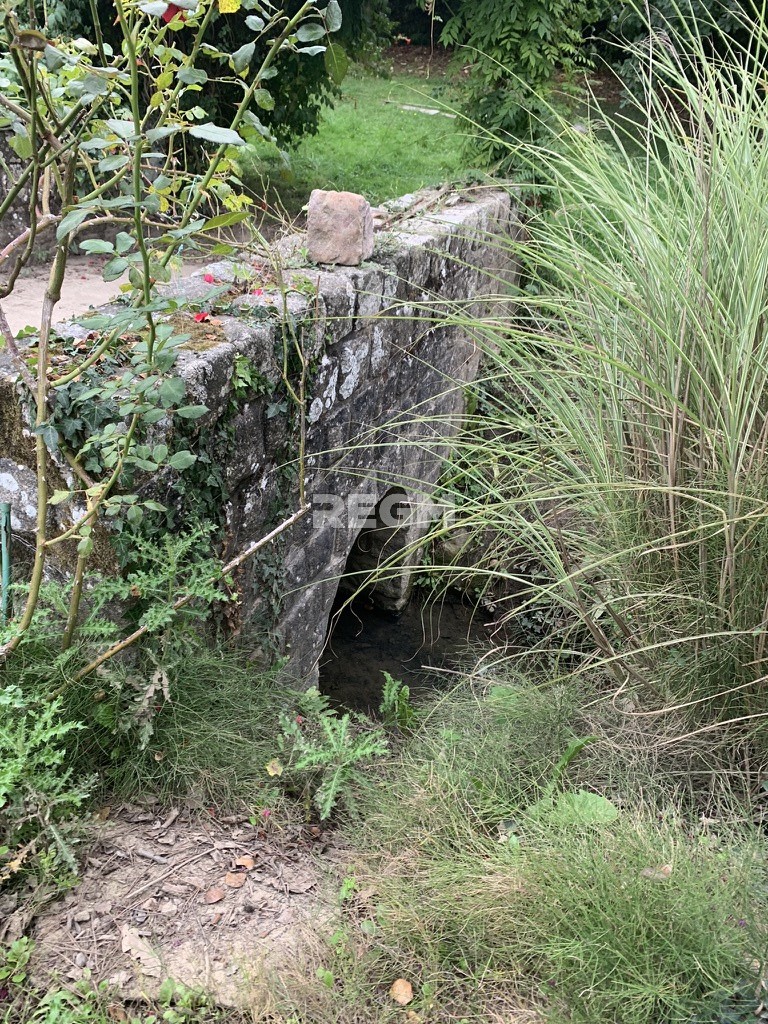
(327, 752)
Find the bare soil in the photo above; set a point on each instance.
(83, 287)
(213, 903)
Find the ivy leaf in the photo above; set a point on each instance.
(49, 436)
(182, 460)
(214, 133)
(309, 32)
(242, 58)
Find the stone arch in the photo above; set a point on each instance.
(384, 552)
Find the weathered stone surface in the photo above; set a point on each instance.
(385, 391)
(18, 486)
(339, 228)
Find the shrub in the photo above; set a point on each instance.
(515, 50)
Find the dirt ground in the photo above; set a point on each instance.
(211, 902)
(83, 287)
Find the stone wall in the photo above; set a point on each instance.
(385, 385)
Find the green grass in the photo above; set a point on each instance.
(368, 144)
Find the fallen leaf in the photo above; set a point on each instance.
(296, 881)
(657, 874)
(235, 879)
(401, 992)
(214, 894)
(116, 1012)
(246, 862)
(274, 767)
(141, 951)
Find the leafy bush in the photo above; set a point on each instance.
(37, 794)
(515, 50)
(628, 25)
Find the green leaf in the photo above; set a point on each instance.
(192, 412)
(155, 506)
(214, 133)
(156, 134)
(309, 32)
(92, 86)
(264, 99)
(85, 547)
(97, 245)
(242, 58)
(224, 220)
(569, 809)
(121, 127)
(58, 496)
(311, 51)
(69, 222)
(192, 76)
(123, 242)
(332, 16)
(54, 59)
(182, 460)
(114, 269)
(172, 391)
(112, 163)
(254, 22)
(22, 146)
(336, 62)
(583, 808)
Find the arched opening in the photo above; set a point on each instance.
(376, 626)
(377, 571)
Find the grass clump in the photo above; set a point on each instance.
(621, 447)
(647, 915)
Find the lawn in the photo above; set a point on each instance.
(368, 143)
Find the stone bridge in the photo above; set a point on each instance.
(377, 376)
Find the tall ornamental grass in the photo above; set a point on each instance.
(619, 452)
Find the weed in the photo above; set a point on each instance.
(396, 709)
(326, 753)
